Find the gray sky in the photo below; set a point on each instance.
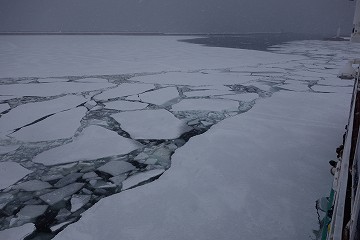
(305, 16)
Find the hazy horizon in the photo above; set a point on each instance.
(175, 16)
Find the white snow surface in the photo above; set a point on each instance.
(17, 233)
(34, 111)
(158, 97)
(33, 56)
(125, 89)
(140, 177)
(151, 124)
(4, 107)
(11, 172)
(125, 105)
(94, 142)
(51, 89)
(57, 126)
(205, 104)
(250, 176)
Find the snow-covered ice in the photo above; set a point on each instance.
(263, 127)
(205, 105)
(6, 149)
(125, 89)
(51, 89)
(257, 170)
(34, 111)
(116, 167)
(94, 142)
(58, 195)
(4, 107)
(11, 172)
(125, 105)
(151, 124)
(78, 201)
(140, 177)
(17, 233)
(32, 185)
(57, 126)
(158, 97)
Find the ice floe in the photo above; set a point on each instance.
(30, 112)
(17, 233)
(141, 177)
(94, 142)
(205, 105)
(125, 89)
(57, 126)
(32, 185)
(58, 195)
(11, 172)
(4, 107)
(125, 105)
(78, 201)
(116, 167)
(157, 97)
(51, 89)
(151, 124)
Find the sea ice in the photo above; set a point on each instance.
(11, 172)
(70, 178)
(332, 89)
(50, 89)
(125, 89)
(195, 79)
(17, 233)
(151, 124)
(78, 201)
(31, 211)
(57, 126)
(206, 93)
(4, 107)
(116, 167)
(125, 105)
(30, 112)
(94, 142)
(205, 105)
(58, 195)
(140, 177)
(216, 197)
(157, 97)
(244, 97)
(6, 97)
(32, 185)
(7, 149)
(118, 179)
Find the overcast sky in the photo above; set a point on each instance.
(180, 16)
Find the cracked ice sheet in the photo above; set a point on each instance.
(151, 124)
(57, 126)
(196, 79)
(125, 89)
(11, 172)
(157, 97)
(51, 89)
(260, 170)
(27, 113)
(93, 143)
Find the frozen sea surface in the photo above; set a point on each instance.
(122, 137)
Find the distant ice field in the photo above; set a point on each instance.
(149, 137)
